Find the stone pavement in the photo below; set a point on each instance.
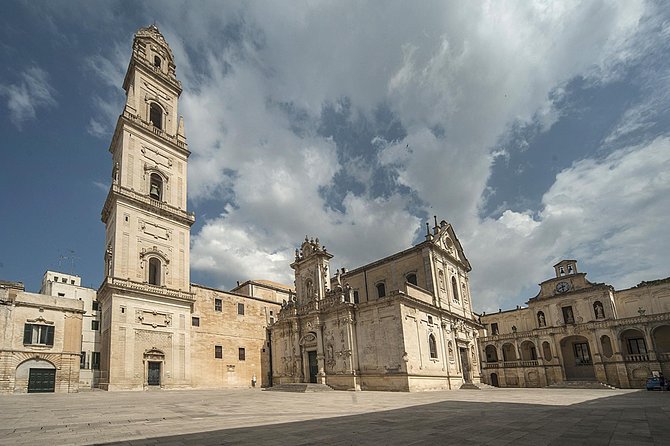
(255, 417)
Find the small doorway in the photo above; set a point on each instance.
(154, 373)
(41, 380)
(313, 366)
(494, 380)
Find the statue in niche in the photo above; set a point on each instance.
(600, 314)
(541, 320)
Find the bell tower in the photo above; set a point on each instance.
(145, 296)
(312, 275)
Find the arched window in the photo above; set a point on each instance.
(156, 116)
(157, 62)
(381, 290)
(541, 321)
(156, 187)
(432, 345)
(454, 287)
(154, 271)
(411, 278)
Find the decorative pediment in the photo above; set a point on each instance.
(40, 320)
(445, 238)
(154, 251)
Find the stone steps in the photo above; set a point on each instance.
(581, 385)
(475, 386)
(300, 387)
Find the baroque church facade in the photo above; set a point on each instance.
(576, 330)
(402, 323)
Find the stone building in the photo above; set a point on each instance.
(158, 330)
(69, 286)
(576, 330)
(402, 323)
(40, 338)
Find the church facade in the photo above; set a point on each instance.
(576, 330)
(402, 323)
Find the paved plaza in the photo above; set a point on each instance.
(256, 417)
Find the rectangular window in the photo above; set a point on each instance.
(240, 309)
(218, 352)
(71, 282)
(195, 321)
(95, 305)
(82, 360)
(34, 334)
(95, 325)
(61, 294)
(494, 328)
(64, 280)
(95, 360)
(637, 346)
(582, 353)
(242, 354)
(356, 298)
(568, 316)
(218, 305)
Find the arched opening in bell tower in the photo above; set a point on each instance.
(156, 187)
(156, 116)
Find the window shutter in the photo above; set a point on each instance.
(28, 334)
(50, 336)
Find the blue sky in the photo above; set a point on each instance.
(540, 130)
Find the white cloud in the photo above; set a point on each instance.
(456, 75)
(609, 213)
(31, 93)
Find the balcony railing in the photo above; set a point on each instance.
(149, 288)
(511, 364)
(155, 130)
(643, 357)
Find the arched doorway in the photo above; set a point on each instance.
(494, 380)
(509, 352)
(36, 376)
(528, 351)
(310, 360)
(661, 338)
(577, 359)
(491, 353)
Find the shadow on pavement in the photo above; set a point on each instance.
(634, 418)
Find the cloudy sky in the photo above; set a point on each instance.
(539, 130)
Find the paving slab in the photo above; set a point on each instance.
(240, 417)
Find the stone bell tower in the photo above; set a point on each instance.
(145, 296)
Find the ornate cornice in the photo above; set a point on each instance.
(145, 202)
(136, 122)
(116, 284)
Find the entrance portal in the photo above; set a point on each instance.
(313, 366)
(465, 364)
(494, 380)
(41, 380)
(154, 373)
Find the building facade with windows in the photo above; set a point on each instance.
(60, 284)
(576, 330)
(402, 323)
(40, 340)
